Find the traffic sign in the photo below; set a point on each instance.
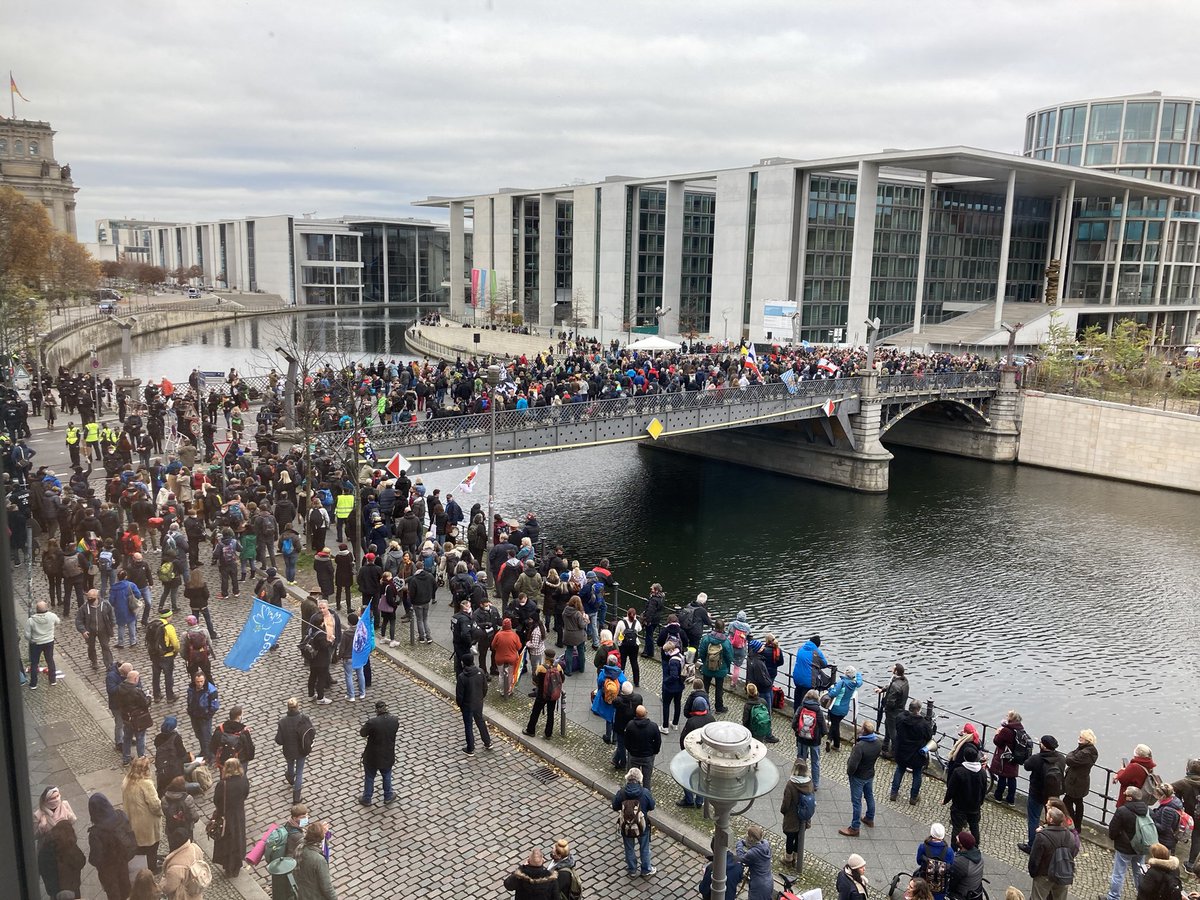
(396, 465)
(655, 428)
(220, 448)
(95, 362)
(830, 407)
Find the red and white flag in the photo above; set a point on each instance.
(467, 485)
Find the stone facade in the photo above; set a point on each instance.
(27, 164)
(1111, 440)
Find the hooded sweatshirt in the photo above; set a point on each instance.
(39, 629)
(967, 788)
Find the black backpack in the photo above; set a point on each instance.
(156, 638)
(230, 745)
(1053, 773)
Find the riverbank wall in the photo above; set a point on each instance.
(1111, 440)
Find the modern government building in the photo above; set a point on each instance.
(1099, 219)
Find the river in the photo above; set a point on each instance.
(1070, 599)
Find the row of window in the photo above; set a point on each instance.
(1134, 120)
(19, 148)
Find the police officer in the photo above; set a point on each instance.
(92, 438)
(73, 443)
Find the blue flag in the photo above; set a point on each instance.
(364, 639)
(263, 627)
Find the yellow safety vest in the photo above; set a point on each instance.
(72, 437)
(345, 506)
(93, 433)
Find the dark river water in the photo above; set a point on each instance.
(1000, 587)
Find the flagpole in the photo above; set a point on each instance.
(12, 100)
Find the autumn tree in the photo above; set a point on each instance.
(71, 272)
(25, 238)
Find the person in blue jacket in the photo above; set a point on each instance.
(841, 695)
(754, 852)
(119, 597)
(802, 671)
(933, 848)
(600, 707)
(733, 877)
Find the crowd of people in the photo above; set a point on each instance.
(160, 518)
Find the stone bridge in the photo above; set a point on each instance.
(827, 431)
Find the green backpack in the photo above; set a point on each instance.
(760, 720)
(1145, 833)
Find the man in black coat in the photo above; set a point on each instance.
(965, 790)
(469, 691)
(295, 734)
(643, 740)
(462, 633)
(380, 753)
(913, 731)
(1047, 768)
(422, 588)
(1045, 843)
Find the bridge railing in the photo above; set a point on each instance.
(579, 412)
(937, 381)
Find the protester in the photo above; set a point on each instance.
(798, 807)
(635, 803)
(380, 753)
(229, 843)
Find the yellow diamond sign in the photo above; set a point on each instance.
(655, 428)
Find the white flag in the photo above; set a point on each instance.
(467, 485)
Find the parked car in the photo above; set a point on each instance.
(105, 307)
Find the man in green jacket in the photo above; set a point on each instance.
(715, 656)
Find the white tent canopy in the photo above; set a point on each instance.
(653, 342)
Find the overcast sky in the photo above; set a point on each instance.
(194, 111)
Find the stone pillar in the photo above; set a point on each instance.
(1005, 241)
(458, 259)
(923, 253)
(672, 259)
(864, 252)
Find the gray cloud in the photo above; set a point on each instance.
(196, 111)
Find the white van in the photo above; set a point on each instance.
(193, 293)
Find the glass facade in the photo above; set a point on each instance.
(403, 262)
(530, 256)
(1152, 258)
(695, 282)
(651, 240)
(965, 229)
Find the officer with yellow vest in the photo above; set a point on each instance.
(73, 436)
(343, 510)
(91, 436)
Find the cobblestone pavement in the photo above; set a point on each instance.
(461, 823)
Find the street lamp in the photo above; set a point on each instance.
(725, 316)
(872, 334)
(721, 762)
(493, 379)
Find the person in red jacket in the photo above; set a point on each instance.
(506, 650)
(1135, 774)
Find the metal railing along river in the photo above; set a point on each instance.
(1099, 805)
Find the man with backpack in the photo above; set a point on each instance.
(232, 740)
(126, 600)
(1047, 769)
(295, 733)
(934, 859)
(715, 656)
(1132, 832)
(197, 649)
(138, 571)
(756, 715)
(547, 686)
(1052, 858)
(695, 620)
(162, 643)
(226, 555)
(634, 804)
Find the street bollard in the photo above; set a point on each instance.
(412, 628)
(800, 847)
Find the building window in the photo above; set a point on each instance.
(1045, 128)
(319, 247)
(1100, 154)
(33, 148)
(1070, 125)
(1141, 121)
(1142, 152)
(1071, 156)
(1105, 123)
(1170, 154)
(3, 146)
(347, 248)
(1174, 122)
(18, 148)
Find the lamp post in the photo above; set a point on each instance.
(723, 763)
(725, 316)
(493, 379)
(1012, 341)
(872, 334)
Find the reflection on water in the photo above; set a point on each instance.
(1068, 598)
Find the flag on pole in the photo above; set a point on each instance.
(364, 639)
(13, 89)
(261, 632)
(364, 445)
(467, 485)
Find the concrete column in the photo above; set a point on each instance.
(672, 259)
(1119, 250)
(1162, 251)
(1065, 268)
(547, 232)
(800, 225)
(1005, 241)
(923, 252)
(458, 260)
(864, 251)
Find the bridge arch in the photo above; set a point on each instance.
(969, 411)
